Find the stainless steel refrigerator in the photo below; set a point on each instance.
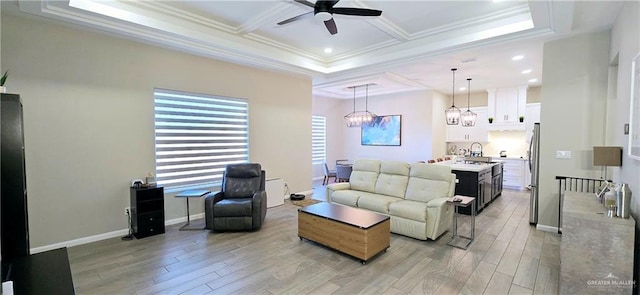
(534, 167)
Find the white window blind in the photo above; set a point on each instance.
(196, 136)
(318, 139)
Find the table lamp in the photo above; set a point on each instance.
(607, 156)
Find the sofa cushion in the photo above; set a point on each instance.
(428, 182)
(375, 202)
(346, 197)
(367, 165)
(409, 209)
(393, 178)
(364, 175)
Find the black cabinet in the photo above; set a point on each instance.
(474, 184)
(42, 273)
(13, 184)
(468, 186)
(147, 211)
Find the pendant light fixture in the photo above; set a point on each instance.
(468, 118)
(357, 119)
(453, 113)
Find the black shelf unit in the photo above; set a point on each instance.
(147, 211)
(13, 197)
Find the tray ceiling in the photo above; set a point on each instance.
(411, 46)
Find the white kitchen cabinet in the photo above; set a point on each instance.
(479, 132)
(532, 115)
(505, 106)
(514, 174)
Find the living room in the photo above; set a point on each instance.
(88, 108)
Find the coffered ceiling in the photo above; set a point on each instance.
(411, 46)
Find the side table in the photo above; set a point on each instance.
(191, 194)
(464, 202)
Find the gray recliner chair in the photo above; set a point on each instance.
(242, 202)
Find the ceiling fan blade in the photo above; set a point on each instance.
(331, 26)
(295, 18)
(356, 11)
(305, 2)
(325, 5)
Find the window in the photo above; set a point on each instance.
(318, 139)
(196, 136)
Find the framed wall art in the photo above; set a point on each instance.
(384, 130)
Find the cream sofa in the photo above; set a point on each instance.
(413, 195)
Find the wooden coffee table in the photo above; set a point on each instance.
(356, 232)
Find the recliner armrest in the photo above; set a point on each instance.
(259, 196)
(259, 201)
(214, 197)
(437, 202)
(336, 187)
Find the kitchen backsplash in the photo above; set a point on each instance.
(513, 142)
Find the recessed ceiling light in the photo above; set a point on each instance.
(526, 71)
(534, 80)
(328, 50)
(517, 57)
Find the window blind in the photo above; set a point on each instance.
(196, 136)
(318, 139)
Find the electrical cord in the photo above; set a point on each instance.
(130, 235)
(286, 189)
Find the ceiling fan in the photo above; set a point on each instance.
(324, 10)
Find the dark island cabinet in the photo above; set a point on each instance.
(147, 211)
(467, 186)
(474, 184)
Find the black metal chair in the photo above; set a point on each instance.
(242, 202)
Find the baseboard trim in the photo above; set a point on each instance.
(551, 229)
(104, 236)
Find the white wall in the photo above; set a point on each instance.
(625, 44)
(422, 126)
(574, 96)
(88, 109)
(331, 109)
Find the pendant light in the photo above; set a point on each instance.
(468, 118)
(356, 119)
(453, 114)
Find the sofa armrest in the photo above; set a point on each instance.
(439, 217)
(336, 187)
(437, 202)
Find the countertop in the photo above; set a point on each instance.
(596, 251)
(498, 158)
(466, 167)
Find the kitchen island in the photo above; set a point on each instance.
(481, 180)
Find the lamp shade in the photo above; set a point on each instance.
(607, 156)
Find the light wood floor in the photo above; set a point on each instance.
(508, 257)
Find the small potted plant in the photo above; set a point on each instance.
(490, 120)
(2, 81)
(521, 119)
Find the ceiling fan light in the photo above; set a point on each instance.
(324, 16)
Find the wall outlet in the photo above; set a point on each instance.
(563, 154)
(127, 211)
